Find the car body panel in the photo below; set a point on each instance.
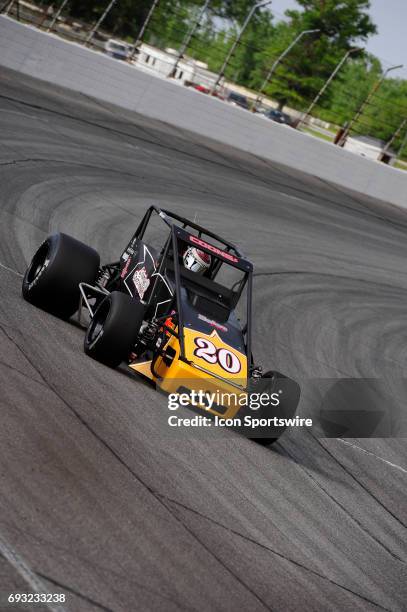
(197, 375)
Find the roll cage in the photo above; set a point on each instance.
(182, 230)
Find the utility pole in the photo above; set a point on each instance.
(362, 107)
(403, 144)
(144, 28)
(7, 6)
(276, 63)
(394, 137)
(188, 38)
(102, 18)
(326, 85)
(236, 42)
(56, 16)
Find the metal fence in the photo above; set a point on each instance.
(199, 49)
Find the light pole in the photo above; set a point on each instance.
(236, 42)
(393, 138)
(361, 108)
(276, 63)
(403, 144)
(7, 6)
(56, 16)
(102, 18)
(144, 28)
(326, 84)
(188, 38)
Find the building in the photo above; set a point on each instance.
(371, 148)
(162, 62)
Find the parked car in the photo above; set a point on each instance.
(238, 100)
(206, 90)
(201, 88)
(117, 49)
(278, 116)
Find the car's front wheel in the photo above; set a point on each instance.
(288, 392)
(51, 281)
(113, 330)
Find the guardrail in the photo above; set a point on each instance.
(50, 58)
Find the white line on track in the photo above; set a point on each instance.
(11, 270)
(363, 450)
(27, 574)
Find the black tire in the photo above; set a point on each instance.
(287, 408)
(114, 328)
(51, 281)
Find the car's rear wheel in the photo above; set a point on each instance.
(51, 281)
(113, 330)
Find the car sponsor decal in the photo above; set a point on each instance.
(130, 274)
(213, 249)
(141, 281)
(213, 323)
(125, 269)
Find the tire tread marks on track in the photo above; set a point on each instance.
(396, 518)
(96, 566)
(137, 477)
(366, 211)
(274, 552)
(78, 594)
(336, 502)
(165, 502)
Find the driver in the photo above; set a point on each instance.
(196, 260)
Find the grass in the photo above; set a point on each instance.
(317, 134)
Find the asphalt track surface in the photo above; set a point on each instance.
(98, 500)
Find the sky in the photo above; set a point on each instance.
(390, 17)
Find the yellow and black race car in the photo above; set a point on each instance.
(185, 328)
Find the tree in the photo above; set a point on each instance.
(385, 112)
(350, 89)
(234, 9)
(311, 61)
(260, 29)
(127, 16)
(123, 20)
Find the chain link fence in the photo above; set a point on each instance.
(190, 45)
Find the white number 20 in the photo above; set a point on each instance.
(225, 358)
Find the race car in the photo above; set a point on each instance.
(176, 308)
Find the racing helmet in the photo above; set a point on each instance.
(196, 260)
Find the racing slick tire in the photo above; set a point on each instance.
(114, 328)
(288, 404)
(51, 281)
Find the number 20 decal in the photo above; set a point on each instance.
(225, 358)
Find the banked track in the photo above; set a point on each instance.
(97, 499)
